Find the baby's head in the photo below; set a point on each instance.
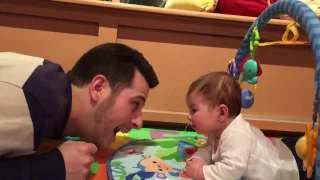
(214, 100)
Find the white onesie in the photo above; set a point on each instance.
(244, 152)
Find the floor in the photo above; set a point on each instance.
(149, 153)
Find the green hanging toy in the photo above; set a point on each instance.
(250, 68)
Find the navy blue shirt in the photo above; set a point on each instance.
(35, 103)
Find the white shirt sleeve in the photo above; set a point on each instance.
(205, 152)
(235, 150)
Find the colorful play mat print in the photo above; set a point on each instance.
(151, 159)
(142, 154)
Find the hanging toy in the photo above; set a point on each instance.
(292, 27)
(250, 69)
(231, 68)
(306, 148)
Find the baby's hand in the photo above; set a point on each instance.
(194, 168)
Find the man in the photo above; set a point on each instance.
(101, 95)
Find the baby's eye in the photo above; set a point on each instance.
(193, 111)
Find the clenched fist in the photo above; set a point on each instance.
(194, 168)
(78, 157)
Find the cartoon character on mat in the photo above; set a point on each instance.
(185, 150)
(149, 166)
(131, 151)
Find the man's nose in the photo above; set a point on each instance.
(137, 122)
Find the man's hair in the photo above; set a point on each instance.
(117, 62)
(219, 88)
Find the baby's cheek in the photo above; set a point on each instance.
(197, 120)
(208, 128)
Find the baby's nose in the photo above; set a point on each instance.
(189, 117)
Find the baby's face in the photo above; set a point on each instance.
(202, 117)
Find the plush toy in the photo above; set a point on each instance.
(251, 8)
(250, 69)
(192, 5)
(313, 4)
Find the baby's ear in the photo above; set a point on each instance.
(223, 112)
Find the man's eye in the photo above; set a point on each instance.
(135, 105)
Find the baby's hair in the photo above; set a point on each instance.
(219, 88)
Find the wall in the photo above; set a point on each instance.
(181, 45)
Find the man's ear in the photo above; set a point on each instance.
(223, 112)
(98, 86)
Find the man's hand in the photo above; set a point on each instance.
(194, 168)
(78, 157)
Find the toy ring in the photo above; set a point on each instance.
(248, 97)
(291, 27)
(255, 86)
(231, 67)
(285, 41)
(254, 92)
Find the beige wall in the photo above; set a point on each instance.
(175, 42)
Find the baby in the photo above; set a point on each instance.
(234, 149)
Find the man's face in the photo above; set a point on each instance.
(120, 112)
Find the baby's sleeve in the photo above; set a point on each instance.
(235, 149)
(204, 152)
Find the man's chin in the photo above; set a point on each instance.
(102, 147)
(104, 144)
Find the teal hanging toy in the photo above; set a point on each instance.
(250, 69)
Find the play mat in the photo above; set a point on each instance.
(143, 154)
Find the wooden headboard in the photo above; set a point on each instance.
(181, 45)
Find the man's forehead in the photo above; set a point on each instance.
(130, 93)
(136, 93)
(139, 88)
(139, 84)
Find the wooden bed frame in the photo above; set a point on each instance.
(181, 45)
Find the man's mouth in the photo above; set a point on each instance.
(115, 131)
(118, 129)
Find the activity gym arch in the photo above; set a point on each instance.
(247, 69)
